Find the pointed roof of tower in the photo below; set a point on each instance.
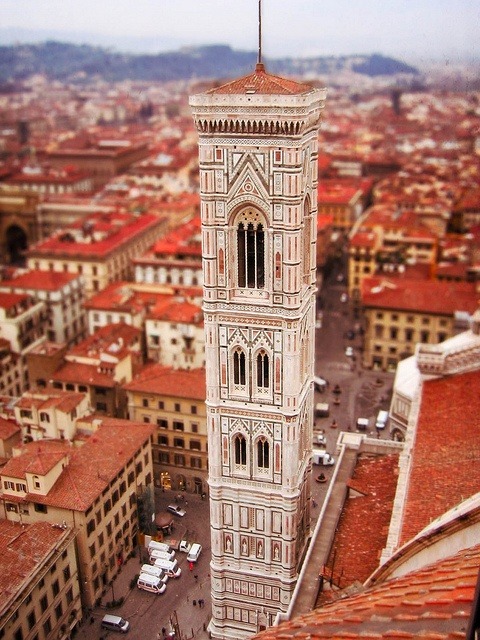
(261, 82)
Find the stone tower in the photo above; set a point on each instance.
(258, 141)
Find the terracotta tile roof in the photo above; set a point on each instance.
(364, 239)
(447, 450)
(335, 193)
(91, 467)
(177, 311)
(64, 401)
(442, 298)
(37, 458)
(22, 549)
(8, 428)
(115, 338)
(41, 280)
(261, 82)
(109, 233)
(80, 373)
(179, 383)
(9, 300)
(183, 241)
(433, 603)
(363, 526)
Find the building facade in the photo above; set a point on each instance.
(38, 581)
(174, 400)
(258, 183)
(62, 294)
(93, 489)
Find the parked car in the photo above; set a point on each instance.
(319, 383)
(349, 352)
(176, 510)
(362, 424)
(321, 457)
(320, 439)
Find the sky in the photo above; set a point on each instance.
(410, 30)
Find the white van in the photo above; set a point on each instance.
(159, 546)
(195, 551)
(115, 623)
(319, 456)
(362, 424)
(319, 383)
(150, 583)
(154, 571)
(156, 553)
(381, 421)
(170, 567)
(322, 409)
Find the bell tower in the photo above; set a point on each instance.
(258, 141)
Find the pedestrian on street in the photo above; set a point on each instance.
(196, 577)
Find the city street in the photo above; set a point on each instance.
(149, 613)
(362, 392)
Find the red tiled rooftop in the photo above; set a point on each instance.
(445, 460)
(41, 280)
(363, 526)
(172, 310)
(261, 82)
(9, 300)
(442, 298)
(8, 428)
(433, 602)
(179, 383)
(22, 549)
(183, 241)
(91, 467)
(115, 230)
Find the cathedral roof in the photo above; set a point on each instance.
(261, 82)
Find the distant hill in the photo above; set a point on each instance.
(62, 61)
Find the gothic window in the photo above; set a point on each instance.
(251, 255)
(239, 367)
(240, 445)
(263, 454)
(263, 370)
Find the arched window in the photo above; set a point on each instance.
(251, 255)
(263, 454)
(239, 367)
(240, 450)
(263, 370)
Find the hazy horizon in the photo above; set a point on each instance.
(422, 31)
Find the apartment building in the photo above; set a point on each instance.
(100, 365)
(50, 413)
(174, 401)
(175, 259)
(11, 370)
(100, 247)
(10, 435)
(63, 296)
(92, 489)
(344, 201)
(47, 181)
(38, 581)
(175, 334)
(401, 312)
(102, 158)
(24, 324)
(385, 237)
